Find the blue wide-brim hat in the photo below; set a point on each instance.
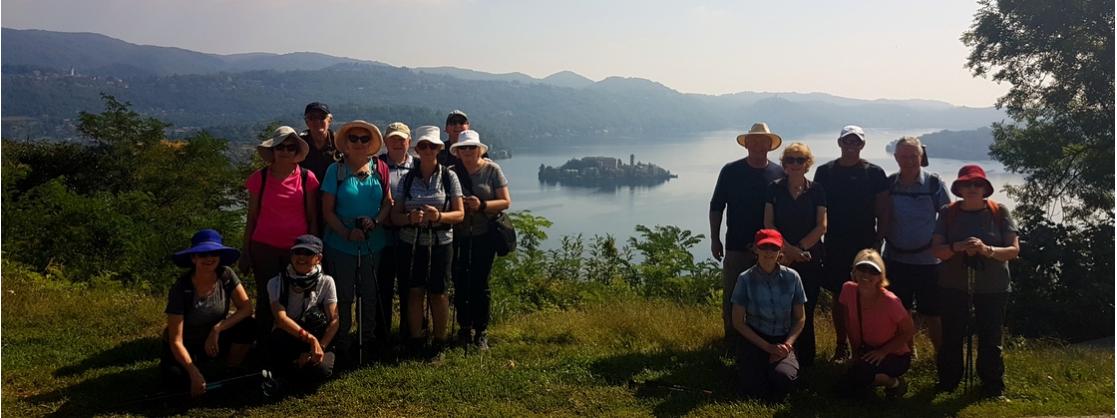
(204, 241)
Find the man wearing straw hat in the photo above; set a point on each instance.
(740, 188)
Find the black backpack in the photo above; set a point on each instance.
(409, 179)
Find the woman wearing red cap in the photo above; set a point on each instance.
(768, 312)
(975, 238)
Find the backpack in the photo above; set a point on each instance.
(955, 208)
(378, 168)
(264, 182)
(311, 318)
(444, 179)
(934, 184)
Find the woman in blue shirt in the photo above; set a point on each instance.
(355, 203)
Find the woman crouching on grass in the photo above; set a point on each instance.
(879, 328)
(768, 312)
(199, 328)
(304, 303)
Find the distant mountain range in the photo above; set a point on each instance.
(48, 77)
(969, 145)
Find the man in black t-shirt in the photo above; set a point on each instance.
(323, 151)
(456, 123)
(741, 188)
(857, 198)
(320, 138)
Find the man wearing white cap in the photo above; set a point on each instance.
(857, 201)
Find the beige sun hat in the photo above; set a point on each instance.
(341, 140)
(760, 129)
(466, 138)
(280, 136)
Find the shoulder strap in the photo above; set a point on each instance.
(283, 292)
(260, 194)
(446, 186)
(306, 196)
(860, 326)
(381, 170)
(408, 179)
(464, 179)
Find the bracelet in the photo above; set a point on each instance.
(439, 220)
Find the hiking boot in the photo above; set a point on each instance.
(482, 340)
(414, 347)
(897, 391)
(464, 336)
(437, 352)
(841, 354)
(993, 392)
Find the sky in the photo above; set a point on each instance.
(860, 49)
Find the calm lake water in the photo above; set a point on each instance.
(683, 201)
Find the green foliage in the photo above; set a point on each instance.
(115, 207)
(1058, 57)
(1063, 281)
(575, 273)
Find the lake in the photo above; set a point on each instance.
(683, 201)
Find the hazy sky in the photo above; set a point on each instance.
(862, 49)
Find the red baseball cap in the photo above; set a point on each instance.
(769, 236)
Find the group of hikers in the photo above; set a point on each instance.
(335, 224)
(789, 237)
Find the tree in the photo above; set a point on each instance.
(1058, 57)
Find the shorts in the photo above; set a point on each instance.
(423, 267)
(916, 285)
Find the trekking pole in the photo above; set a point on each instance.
(360, 311)
(430, 254)
(212, 386)
(971, 274)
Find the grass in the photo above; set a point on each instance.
(69, 350)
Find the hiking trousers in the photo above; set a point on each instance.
(989, 312)
(473, 263)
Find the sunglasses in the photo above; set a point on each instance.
(794, 160)
(467, 147)
(364, 139)
(966, 184)
(867, 270)
(287, 147)
(317, 117)
(303, 252)
(209, 254)
(427, 145)
(850, 140)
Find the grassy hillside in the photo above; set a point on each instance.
(70, 350)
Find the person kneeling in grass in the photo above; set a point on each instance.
(768, 312)
(879, 327)
(304, 304)
(199, 327)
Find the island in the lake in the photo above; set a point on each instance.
(605, 171)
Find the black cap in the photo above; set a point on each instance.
(316, 106)
(308, 242)
(457, 116)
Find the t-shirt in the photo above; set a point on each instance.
(742, 189)
(486, 182)
(882, 319)
(430, 192)
(768, 298)
(914, 210)
(282, 214)
(354, 197)
(851, 201)
(991, 276)
(318, 160)
(201, 313)
(323, 295)
(795, 218)
(397, 171)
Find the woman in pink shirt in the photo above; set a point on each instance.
(879, 327)
(282, 205)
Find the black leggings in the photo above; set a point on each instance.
(473, 262)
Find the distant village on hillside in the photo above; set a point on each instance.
(605, 171)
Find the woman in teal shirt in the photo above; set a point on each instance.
(355, 204)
